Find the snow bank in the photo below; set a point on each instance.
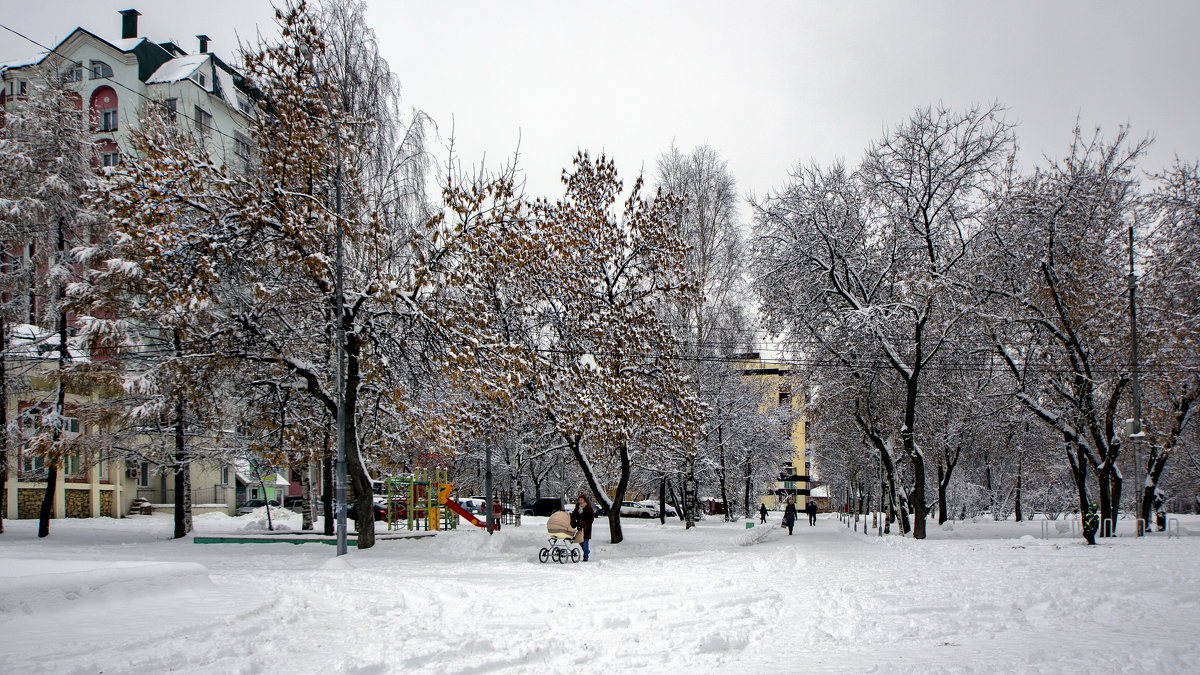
(29, 586)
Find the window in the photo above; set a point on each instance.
(198, 78)
(73, 73)
(203, 120)
(18, 87)
(241, 146)
(32, 464)
(108, 120)
(101, 70)
(102, 469)
(172, 108)
(143, 477)
(243, 103)
(110, 158)
(224, 475)
(785, 399)
(74, 464)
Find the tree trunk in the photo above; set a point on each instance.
(306, 494)
(728, 516)
(3, 423)
(60, 408)
(1155, 463)
(327, 488)
(183, 475)
(518, 487)
(662, 500)
(1017, 498)
(1078, 462)
(749, 483)
(941, 476)
(614, 513)
(48, 500)
(689, 491)
(354, 465)
(183, 496)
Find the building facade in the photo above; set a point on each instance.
(781, 390)
(115, 81)
(118, 80)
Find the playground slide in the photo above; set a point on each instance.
(453, 506)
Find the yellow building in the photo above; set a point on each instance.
(780, 390)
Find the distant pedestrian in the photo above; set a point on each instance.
(582, 518)
(789, 515)
(762, 513)
(811, 509)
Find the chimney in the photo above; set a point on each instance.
(129, 23)
(204, 43)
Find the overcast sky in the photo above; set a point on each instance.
(767, 84)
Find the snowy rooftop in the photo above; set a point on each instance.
(178, 69)
(21, 63)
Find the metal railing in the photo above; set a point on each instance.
(216, 494)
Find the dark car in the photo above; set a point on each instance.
(541, 507)
(379, 509)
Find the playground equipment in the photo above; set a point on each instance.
(422, 501)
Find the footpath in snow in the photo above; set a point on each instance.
(119, 596)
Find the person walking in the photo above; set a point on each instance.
(762, 513)
(582, 518)
(789, 515)
(811, 509)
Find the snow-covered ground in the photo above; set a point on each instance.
(118, 596)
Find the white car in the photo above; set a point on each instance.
(653, 506)
(637, 510)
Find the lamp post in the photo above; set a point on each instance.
(340, 348)
(1135, 426)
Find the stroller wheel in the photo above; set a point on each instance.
(575, 555)
(544, 555)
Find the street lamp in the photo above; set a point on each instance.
(1136, 433)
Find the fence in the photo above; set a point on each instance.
(217, 494)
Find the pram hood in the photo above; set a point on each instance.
(559, 523)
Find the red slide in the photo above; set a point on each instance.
(453, 506)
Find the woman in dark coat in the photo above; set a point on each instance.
(582, 517)
(811, 510)
(789, 515)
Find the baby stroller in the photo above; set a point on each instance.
(563, 538)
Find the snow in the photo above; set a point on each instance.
(127, 44)
(178, 68)
(121, 596)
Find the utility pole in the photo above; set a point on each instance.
(1135, 427)
(487, 488)
(340, 381)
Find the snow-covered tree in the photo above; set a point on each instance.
(1057, 278)
(48, 165)
(1169, 318)
(866, 264)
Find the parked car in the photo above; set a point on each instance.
(670, 510)
(472, 505)
(543, 506)
(378, 506)
(294, 504)
(252, 504)
(637, 510)
(505, 509)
